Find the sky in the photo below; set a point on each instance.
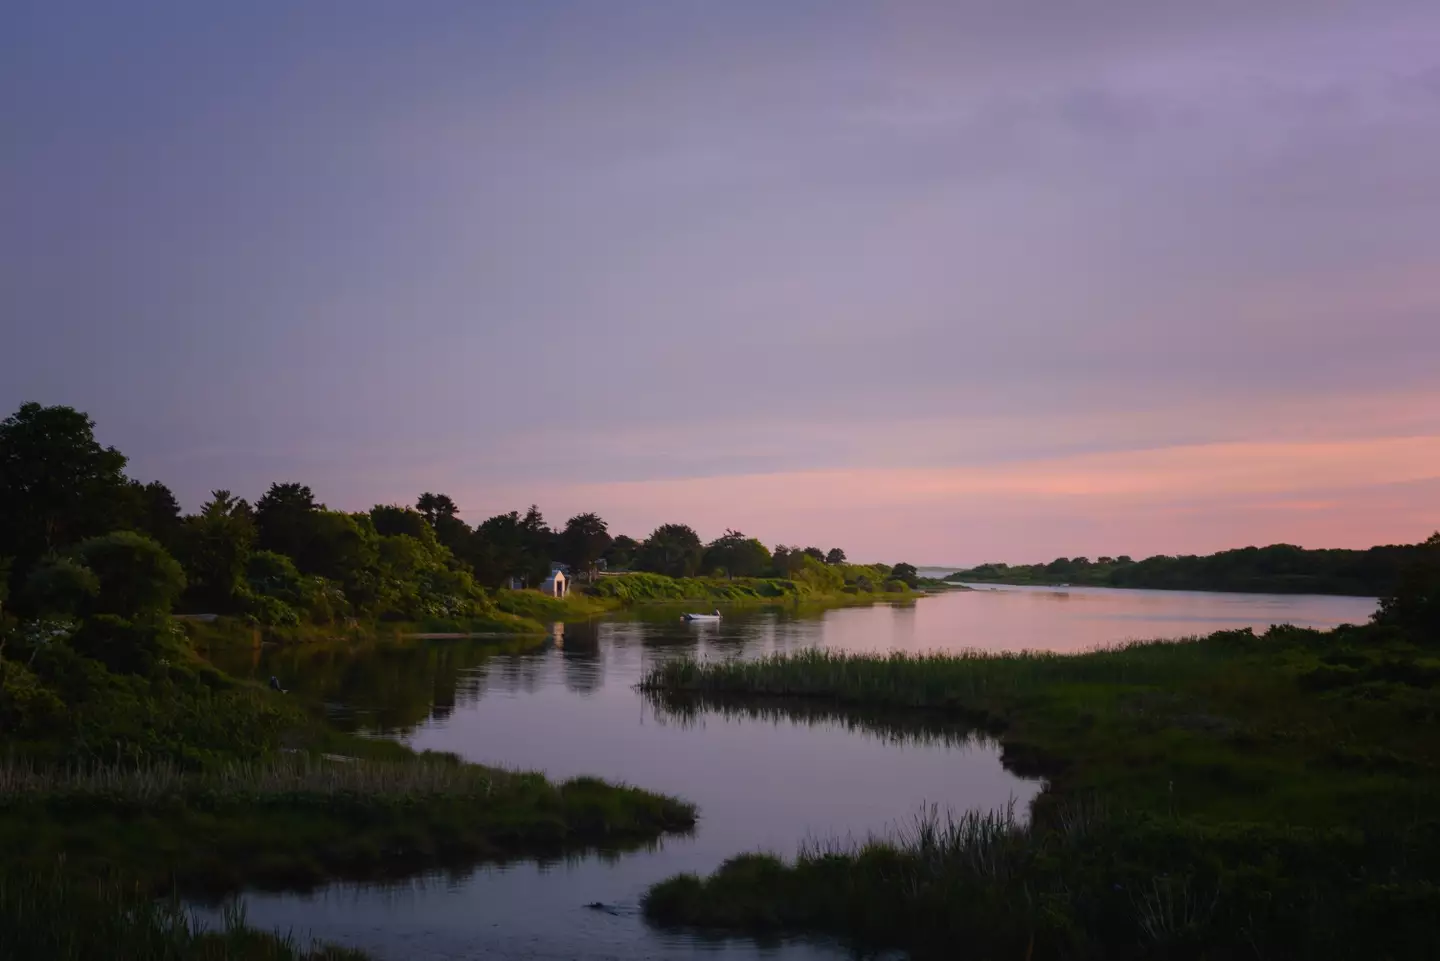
(931, 281)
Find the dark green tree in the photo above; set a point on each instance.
(60, 586)
(58, 485)
(621, 555)
(153, 510)
(137, 577)
(285, 520)
(736, 555)
(539, 545)
(1415, 602)
(673, 550)
(583, 542)
(906, 574)
(835, 556)
(392, 521)
(436, 507)
(213, 548)
(497, 549)
(788, 561)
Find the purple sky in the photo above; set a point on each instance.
(945, 281)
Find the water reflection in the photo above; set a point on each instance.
(898, 728)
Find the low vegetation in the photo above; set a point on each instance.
(296, 821)
(1238, 795)
(843, 583)
(53, 915)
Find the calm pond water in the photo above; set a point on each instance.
(570, 708)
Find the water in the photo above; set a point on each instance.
(570, 708)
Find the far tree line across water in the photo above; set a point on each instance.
(74, 530)
(1276, 569)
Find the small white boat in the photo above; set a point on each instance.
(701, 617)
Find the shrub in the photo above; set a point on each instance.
(122, 646)
(136, 574)
(61, 586)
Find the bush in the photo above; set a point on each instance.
(122, 646)
(61, 586)
(136, 575)
(27, 708)
(268, 611)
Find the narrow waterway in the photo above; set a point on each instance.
(570, 708)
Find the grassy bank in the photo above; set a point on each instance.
(183, 773)
(296, 821)
(231, 631)
(55, 916)
(544, 609)
(707, 592)
(1232, 796)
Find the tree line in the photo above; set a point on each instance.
(1276, 569)
(80, 538)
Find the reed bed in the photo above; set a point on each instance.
(1099, 884)
(1234, 796)
(895, 727)
(934, 680)
(297, 822)
(282, 776)
(51, 915)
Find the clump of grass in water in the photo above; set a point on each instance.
(54, 916)
(1099, 884)
(928, 680)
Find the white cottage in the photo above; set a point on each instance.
(555, 584)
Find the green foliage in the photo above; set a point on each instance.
(28, 709)
(297, 821)
(214, 548)
(52, 914)
(1267, 796)
(509, 545)
(907, 574)
(122, 646)
(1276, 569)
(1415, 602)
(735, 555)
(643, 588)
(673, 550)
(622, 553)
(546, 609)
(283, 519)
(583, 542)
(136, 576)
(152, 510)
(392, 521)
(60, 587)
(58, 486)
(1100, 885)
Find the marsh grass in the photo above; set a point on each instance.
(296, 821)
(935, 680)
(1234, 796)
(657, 589)
(51, 915)
(901, 728)
(1099, 884)
(241, 781)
